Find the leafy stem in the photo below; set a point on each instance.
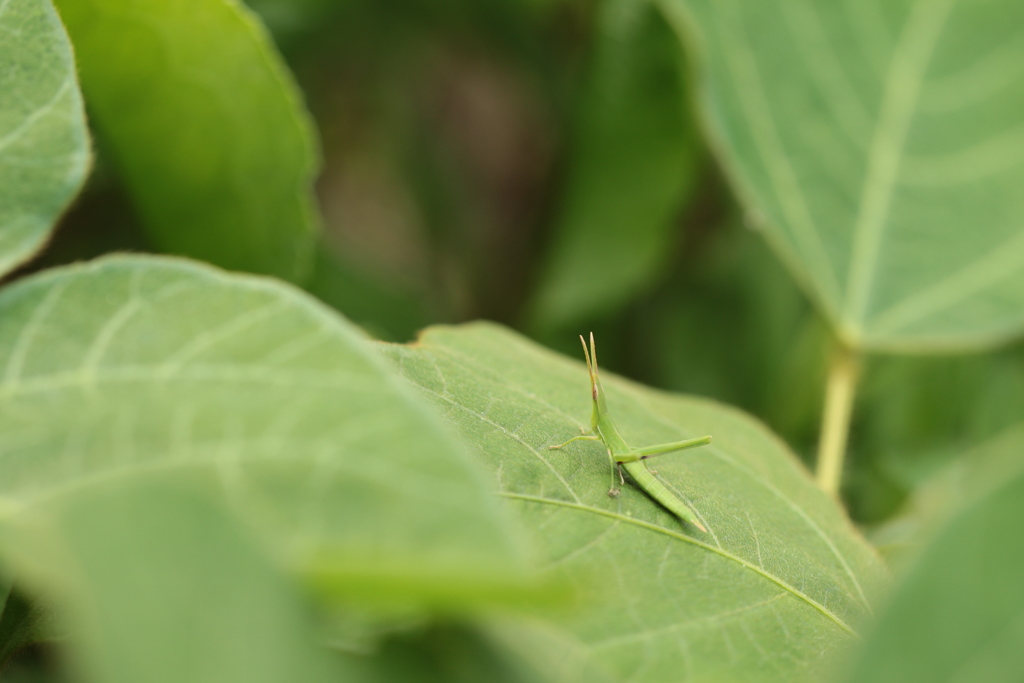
(843, 373)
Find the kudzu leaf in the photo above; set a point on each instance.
(44, 144)
(132, 364)
(780, 582)
(208, 130)
(880, 145)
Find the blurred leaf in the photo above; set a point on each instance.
(780, 581)
(36, 665)
(387, 314)
(633, 163)
(959, 614)
(22, 622)
(206, 126)
(129, 364)
(866, 137)
(290, 19)
(976, 473)
(731, 325)
(920, 413)
(44, 146)
(442, 653)
(163, 586)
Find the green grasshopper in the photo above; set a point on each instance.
(621, 455)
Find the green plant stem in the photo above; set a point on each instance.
(843, 372)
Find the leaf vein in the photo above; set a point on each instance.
(687, 539)
(718, 453)
(511, 435)
(757, 109)
(30, 120)
(902, 90)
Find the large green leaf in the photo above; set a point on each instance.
(880, 144)
(959, 614)
(131, 364)
(159, 585)
(780, 580)
(206, 126)
(633, 163)
(44, 147)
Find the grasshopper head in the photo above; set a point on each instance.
(600, 409)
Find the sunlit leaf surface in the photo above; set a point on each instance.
(779, 582)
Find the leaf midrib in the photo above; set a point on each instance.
(902, 88)
(682, 537)
(766, 483)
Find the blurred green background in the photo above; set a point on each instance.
(478, 156)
